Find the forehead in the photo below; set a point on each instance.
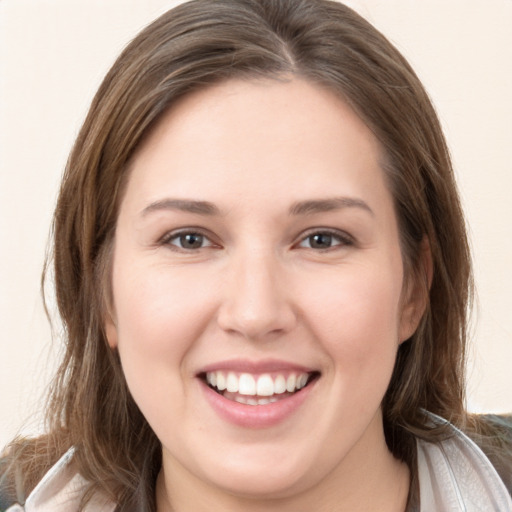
(257, 138)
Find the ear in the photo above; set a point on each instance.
(110, 328)
(416, 293)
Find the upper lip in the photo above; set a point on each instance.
(255, 367)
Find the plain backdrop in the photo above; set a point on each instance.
(53, 54)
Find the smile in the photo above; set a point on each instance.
(263, 389)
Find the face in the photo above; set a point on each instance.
(257, 287)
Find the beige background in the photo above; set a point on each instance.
(53, 54)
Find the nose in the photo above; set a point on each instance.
(256, 303)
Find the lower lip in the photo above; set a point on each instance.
(256, 416)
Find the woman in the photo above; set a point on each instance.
(261, 264)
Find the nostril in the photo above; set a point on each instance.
(255, 322)
(256, 303)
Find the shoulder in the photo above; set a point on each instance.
(469, 467)
(23, 462)
(495, 440)
(9, 488)
(62, 483)
(501, 424)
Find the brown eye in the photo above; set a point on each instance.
(320, 241)
(325, 240)
(189, 241)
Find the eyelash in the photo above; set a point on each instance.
(343, 239)
(177, 235)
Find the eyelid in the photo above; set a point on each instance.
(345, 238)
(189, 230)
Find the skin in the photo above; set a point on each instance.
(258, 287)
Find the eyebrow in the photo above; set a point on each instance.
(313, 206)
(184, 205)
(308, 207)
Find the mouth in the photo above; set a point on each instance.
(258, 389)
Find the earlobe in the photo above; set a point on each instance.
(416, 293)
(110, 332)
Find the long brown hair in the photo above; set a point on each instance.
(194, 45)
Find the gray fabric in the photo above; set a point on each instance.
(456, 476)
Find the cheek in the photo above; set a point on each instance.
(157, 324)
(356, 317)
(157, 309)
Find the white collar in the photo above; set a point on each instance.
(61, 490)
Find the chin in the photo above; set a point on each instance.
(262, 485)
(264, 478)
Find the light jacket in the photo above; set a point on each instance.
(454, 476)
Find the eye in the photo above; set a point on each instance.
(325, 240)
(188, 240)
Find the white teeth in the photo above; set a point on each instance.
(254, 401)
(301, 381)
(211, 378)
(279, 385)
(246, 384)
(221, 381)
(290, 382)
(232, 383)
(265, 385)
